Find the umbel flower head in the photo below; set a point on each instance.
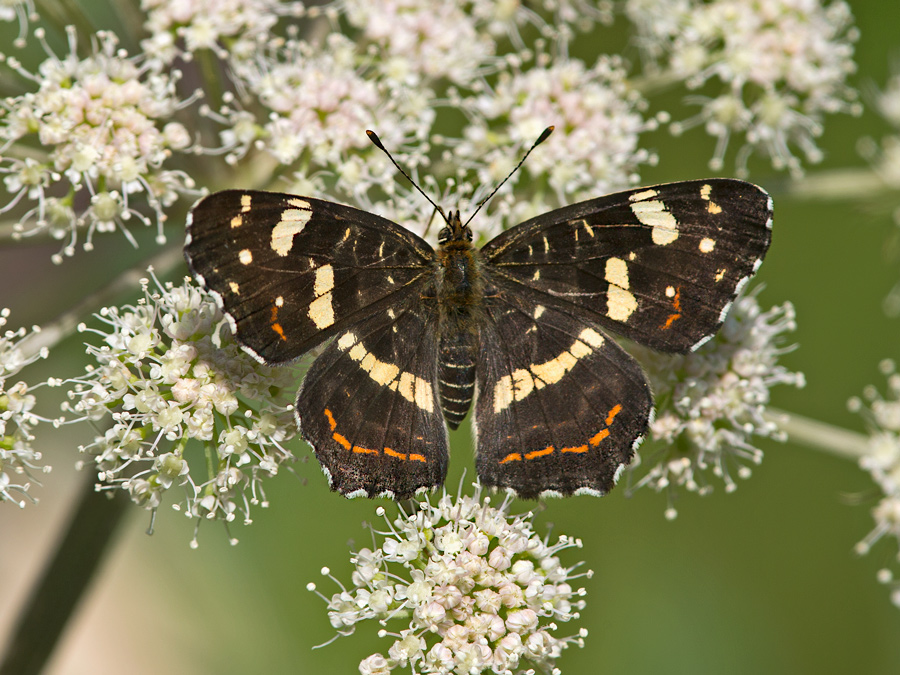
(98, 128)
(17, 421)
(168, 371)
(712, 402)
(882, 461)
(478, 589)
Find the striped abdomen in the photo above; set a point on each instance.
(456, 375)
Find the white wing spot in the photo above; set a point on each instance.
(537, 275)
(245, 256)
(346, 341)
(521, 382)
(245, 203)
(321, 311)
(292, 222)
(324, 280)
(654, 214)
(538, 311)
(587, 228)
(620, 304)
(707, 245)
(234, 287)
(617, 272)
(279, 301)
(670, 291)
(641, 196)
(237, 221)
(592, 337)
(413, 388)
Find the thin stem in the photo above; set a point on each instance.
(54, 597)
(65, 324)
(820, 435)
(855, 184)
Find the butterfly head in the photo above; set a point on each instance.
(455, 230)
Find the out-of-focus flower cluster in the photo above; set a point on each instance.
(166, 371)
(882, 461)
(457, 91)
(773, 69)
(712, 403)
(18, 458)
(480, 590)
(93, 133)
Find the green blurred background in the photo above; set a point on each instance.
(762, 580)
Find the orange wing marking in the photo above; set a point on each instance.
(549, 450)
(611, 415)
(359, 450)
(275, 325)
(672, 318)
(539, 453)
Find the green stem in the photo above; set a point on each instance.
(850, 184)
(820, 435)
(55, 595)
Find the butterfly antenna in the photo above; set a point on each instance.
(378, 144)
(540, 139)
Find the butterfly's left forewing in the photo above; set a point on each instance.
(293, 271)
(660, 265)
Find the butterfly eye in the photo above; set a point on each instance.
(444, 235)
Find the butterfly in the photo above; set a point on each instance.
(519, 329)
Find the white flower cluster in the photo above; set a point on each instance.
(480, 590)
(396, 67)
(882, 461)
(17, 421)
(226, 26)
(98, 128)
(780, 65)
(168, 371)
(712, 402)
(885, 158)
(594, 149)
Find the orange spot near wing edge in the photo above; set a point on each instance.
(539, 453)
(358, 449)
(611, 415)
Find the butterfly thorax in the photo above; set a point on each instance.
(459, 293)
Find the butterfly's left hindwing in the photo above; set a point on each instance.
(560, 406)
(292, 271)
(369, 405)
(660, 265)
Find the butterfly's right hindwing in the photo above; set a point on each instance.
(292, 271)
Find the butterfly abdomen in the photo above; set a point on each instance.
(456, 375)
(460, 291)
